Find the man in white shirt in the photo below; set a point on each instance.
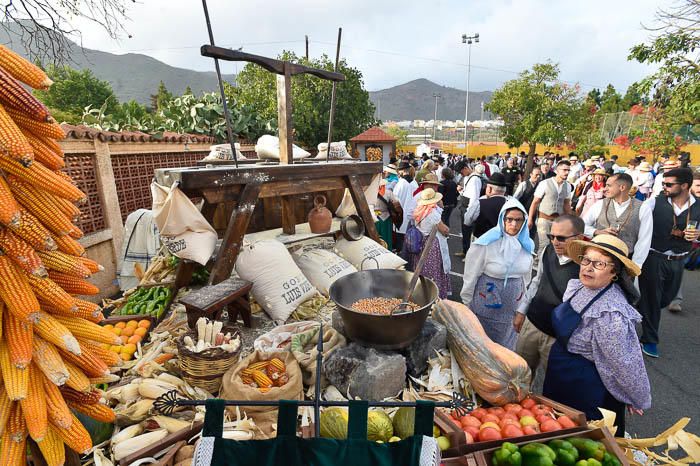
(620, 215)
(470, 190)
(658, 181)
(552, 199)
(576, 168)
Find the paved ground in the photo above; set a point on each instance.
(675, 376)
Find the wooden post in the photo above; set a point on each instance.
(360, 201)
(288, 218)
(284, 115)
(108, 194)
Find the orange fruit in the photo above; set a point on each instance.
(115, 348)
(145, 323)
(129, 348)
(128, 331)
(489, 434)
(117, 330)
(140, 331)
(132, 323)
(125, 356)
(120, 325)
(124, 339)
(134, 339)
(109, 326)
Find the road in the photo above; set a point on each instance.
(674, 376)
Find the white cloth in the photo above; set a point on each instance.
(489, 260)
(541, 189)
(575, 172)
(141, 244)
(535, 283)
(658, 185)
(472, 190)
(474, 210)
(404, 193)
(646, 226)
(677, 211)
(382, 208)
(426, 226)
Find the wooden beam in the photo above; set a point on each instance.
(288, 218)
(233, 238)
(360, 201)
(284, 116)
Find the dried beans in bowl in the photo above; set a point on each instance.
(379, 306)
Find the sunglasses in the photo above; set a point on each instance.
(561, 239)
(668, 184)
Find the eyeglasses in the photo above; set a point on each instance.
(513, 220)
(561, 239)
(668, 184)
(598, 265)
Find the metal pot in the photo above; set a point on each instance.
(385, 332)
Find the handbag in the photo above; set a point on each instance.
(395, 211)
(288, 449)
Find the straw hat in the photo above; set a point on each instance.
(430, 178)
(644, 167)
(429, 196)
(588, 163)
(600, 171)
(671, 164)
(609, 244)
(391, 168)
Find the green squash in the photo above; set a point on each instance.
(379, 426)
(403, 422)
(334, 423)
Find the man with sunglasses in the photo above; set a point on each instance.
(623, 216)
(545, 292)
(674, 213)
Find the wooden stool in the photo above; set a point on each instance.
(212, 301)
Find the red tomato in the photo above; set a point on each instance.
(473, 431)
(491, 418)
(479, 413)
(529, 430)
(510, 415)
(470, 438)
(513, 407)
(470, 421)
(566, 422)
(525, 412)
(537, 411)
(543, 418)
(506, 422)
(489, 434)
(550, 426)
(496, 410)
(528, 403)
(511, 431)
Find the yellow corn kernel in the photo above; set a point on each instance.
(21, 252)
(77, 380)
(12, 141)
(31, 230)
(9, 209)
(16, 291)
(76, 437)
(52, 448)
(56, 407)
(88, 330)
(34, 406)
(50, 293)
(48, 129)
(16, 380)
(72, 284)
(88, 362)
(23, 70)
(61, 262)
(41, 177)
(19, 336)
(49, 361)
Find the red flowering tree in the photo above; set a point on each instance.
(655, 138)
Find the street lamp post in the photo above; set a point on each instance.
(436, 96)
(468, 40)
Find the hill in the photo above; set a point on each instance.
(414, 100)
(132, 75)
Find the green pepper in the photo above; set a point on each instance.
(566, 453)
(150, 307)
(610, 460)
(160, 310)
(507, 455)
(537, 454)
(589, 462)
(588, 448)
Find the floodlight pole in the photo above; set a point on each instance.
(437, 96)
(468, 40)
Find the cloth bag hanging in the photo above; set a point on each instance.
(183, 228)
(290, 450)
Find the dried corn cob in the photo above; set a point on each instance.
(88, 310)
(2, 313)
(22, 253)
(33, 232)
(258, 365)
(43, 178)
(88, 362)
(13, 447)
(90, 397)
(5, 404)
(46, 213)
(56, 407)
(88, 330)
(261, 379)
(98, 412)
(49, 292)
(76, 232)
(77, 380)
(52, 448)
(27, 194)
(34, 406)
(92, 266)
(42, 153)
(23, 70)
(16, 291)
(61, 262)
(13, 94)
(49, 361)
(48, 129)
(12, 141)
(110, 358)
(9, 209)
(16, 380)
(19, 337)
(76, 437)
(53, 331)
(70, 246)
(73, 285)
(277, 363)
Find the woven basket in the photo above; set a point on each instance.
(206, 369)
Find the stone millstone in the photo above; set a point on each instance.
(433, 337)
(365, 372)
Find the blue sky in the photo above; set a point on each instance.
(395, 42)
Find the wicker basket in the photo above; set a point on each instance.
(206, 369)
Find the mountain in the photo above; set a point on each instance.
(414, 101)
(132, 75)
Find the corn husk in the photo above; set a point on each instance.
(134, 444)
(100, 459)
(170, 424)
(126, 433)
(153, 388)
(132, 413)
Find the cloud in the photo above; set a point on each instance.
(395, 42)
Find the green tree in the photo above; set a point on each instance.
(537, 108)
(400, 134)
(73, 91)
(188, 91)
(633, 96)
(256, 89)
(674, 49)
(594, 97)
(161, 96)
(610, 100)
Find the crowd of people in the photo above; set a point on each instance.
(562, 259)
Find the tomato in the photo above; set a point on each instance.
(496, 410)
(525, 412)
(528, 403)
(506, 422)
(489, 434)
(509, 415)
(489, 425)
(479, 413)
(513, 407)
(473, 431)
(566, 422)
(470, 421)
(491, 418)
(511, 431)
(543, 418)
(529, 430)
(550, 426)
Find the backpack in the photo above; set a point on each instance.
(413, 240)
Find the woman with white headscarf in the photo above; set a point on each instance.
(496, 272)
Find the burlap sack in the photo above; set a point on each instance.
(303, 347)
(265, 417)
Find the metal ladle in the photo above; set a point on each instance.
(405, 305)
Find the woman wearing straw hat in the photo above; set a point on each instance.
(596, 360)
(592, 192)
(645, 181)
(429, 181)
(427, 167)
(427, 214)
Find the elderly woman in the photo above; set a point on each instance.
(427, 215)
(427, 167)
(496, 271)
(593, 191)
(596, 360)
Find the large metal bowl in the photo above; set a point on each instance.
(386, 332)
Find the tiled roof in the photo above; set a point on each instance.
(374, 134)
(85, 132)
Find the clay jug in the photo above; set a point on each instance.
(320, 218)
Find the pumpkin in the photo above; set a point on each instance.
(496, 373)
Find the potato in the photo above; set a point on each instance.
(184, 453)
